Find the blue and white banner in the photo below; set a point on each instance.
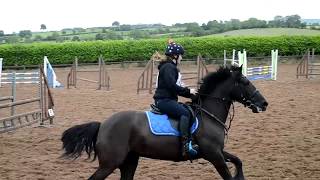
(50, 74)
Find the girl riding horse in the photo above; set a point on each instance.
(169, 87)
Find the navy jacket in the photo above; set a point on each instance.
(167, 87)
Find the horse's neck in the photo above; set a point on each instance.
(218, 107)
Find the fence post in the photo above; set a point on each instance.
(308, 61)
(233, 57)
(274, 64)
(151, 76)
(75, 72)
(13, 92)
(0, 70)
(198, 71)
(100, 72)
(224, 58)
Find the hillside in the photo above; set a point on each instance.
(269, 32)
(311, 21)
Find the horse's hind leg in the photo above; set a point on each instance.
(129, 166)
(237, 162)
(101, 173)
(109, 160)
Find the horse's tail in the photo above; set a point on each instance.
(79, 138)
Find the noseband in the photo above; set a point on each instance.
(247, 102)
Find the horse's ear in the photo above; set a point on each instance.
(240, 68)
(237, 68)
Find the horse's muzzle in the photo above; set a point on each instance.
(259, 108)
(257, 103)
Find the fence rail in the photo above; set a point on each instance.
(307, 66)
(41, 114)
(147, 79)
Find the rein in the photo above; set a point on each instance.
(201, 109)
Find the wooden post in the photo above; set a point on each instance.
(41, 98)
(0, 70)
(13, 92)
(100, 73)
(198, 71)
(151, 77)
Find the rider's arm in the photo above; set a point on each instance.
(169, 73)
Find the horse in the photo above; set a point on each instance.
(119, 141)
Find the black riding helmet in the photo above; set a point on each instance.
(174, 49)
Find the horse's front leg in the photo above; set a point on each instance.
(237, 162)
(216, 157)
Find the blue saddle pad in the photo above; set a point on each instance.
(160, 125)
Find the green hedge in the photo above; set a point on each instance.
(137, 50)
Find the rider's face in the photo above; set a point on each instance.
(179, 59)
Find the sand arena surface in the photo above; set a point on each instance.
(281, 143)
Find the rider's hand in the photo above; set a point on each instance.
(193, 91)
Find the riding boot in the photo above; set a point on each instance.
(183, 126)
(188, 148)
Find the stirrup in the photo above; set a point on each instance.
(193, 149)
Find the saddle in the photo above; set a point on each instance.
(161, 124)
(154, 109)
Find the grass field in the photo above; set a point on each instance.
(269, 32)
(89, 34)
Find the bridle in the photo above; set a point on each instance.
(247, 101)
(225, 101)
(244, 100)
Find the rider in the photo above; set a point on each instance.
(169, 87)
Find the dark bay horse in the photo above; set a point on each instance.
(119, 141)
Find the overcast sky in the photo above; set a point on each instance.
(16, 15)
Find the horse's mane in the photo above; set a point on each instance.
(213, 79)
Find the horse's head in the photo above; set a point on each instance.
(230, 85)
(246, 93)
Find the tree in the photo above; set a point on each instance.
(303, 25)
(253, 23)
(79, 29)
(278, 18)
(293, 21)
(235, 23)
(54, 36)
(1, 33)
(125, 27)
(75, 38)
(199, 32)
(99, 36)
(139, 34)
(193, 27)
(38, 38)
(13, 39)
(2, 40)
(215, 26)
(278, 21)
(28, 40)
(178, 25)
(43, 27)
(116, 23)
(112, 35)
(25, 33)
(67, 30)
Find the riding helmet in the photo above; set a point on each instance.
(174, 49)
